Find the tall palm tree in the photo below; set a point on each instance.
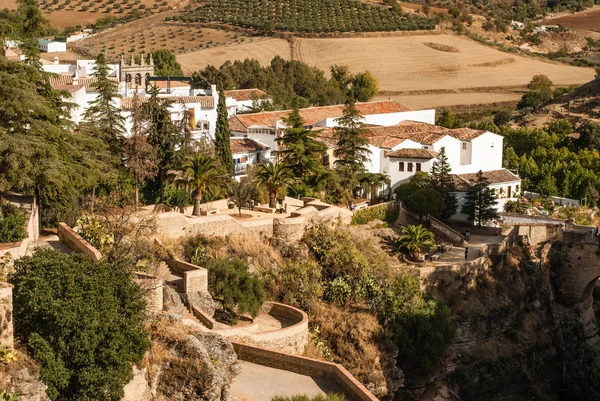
(416, 239)
(203, 173)
(275, 177)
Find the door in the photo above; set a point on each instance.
(509, 192)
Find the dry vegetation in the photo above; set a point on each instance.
(585, 21)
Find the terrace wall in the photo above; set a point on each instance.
(6, 314)
(74, 241)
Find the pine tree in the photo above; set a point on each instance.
(103, 113)
(441, 180)
(223, 136)
(481, 201)
(163, 135)
(351, 151)
(300, 150)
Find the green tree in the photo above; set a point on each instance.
(448, 120)
(163, 135)
(203, 173)
(351, 150)
(415, 240)
(83, 322)
(165, 63)
(480, 201)
(405, 191)
(427, 202)
(223, 136)
(442, 181)
(239, 291)
(275, 178)
(364, 86)
(299, 149)
(103, 113)
(540, 92)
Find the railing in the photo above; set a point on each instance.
(240, 169)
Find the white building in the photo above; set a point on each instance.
(247, 153)
(51, 46)
(246, 98)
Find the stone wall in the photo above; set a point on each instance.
(290, 229)
(447, 232)
(195, 278)
(6, 315)
(152, 290)
(291, 339)
(17, 250)
(353, 389)
(539, 233)
(77, 243)
(177, 224)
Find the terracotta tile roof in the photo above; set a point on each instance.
(206, 102)
(426, 133)
(245, 94)
(461, 181)
(465, 134)
(246, 145)
(69, 88)
(413, 154)
(67, 79)
(312, 115)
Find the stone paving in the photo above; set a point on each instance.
(261, 383)
(457, 254)
(51, 241)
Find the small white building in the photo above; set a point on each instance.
(245, 99)
(247, 153)
(51, 46)
(505, 184)
(406, 162)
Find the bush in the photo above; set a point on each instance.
(427, 201)
(177, 198)
(300, 283)
(238, 290)
(81, 321)
(12, 224)
(387, 212)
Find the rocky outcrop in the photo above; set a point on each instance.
(201, 300)
(22, 377)
(181, 366)
(172, 301)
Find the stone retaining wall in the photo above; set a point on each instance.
(353, 389)
(6, 314)
(19, 249)
(152, 290)
(77, 243)
(195, 278)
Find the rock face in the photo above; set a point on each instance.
(203, 301)
(22, 377)
(172, 301)
(181, 366)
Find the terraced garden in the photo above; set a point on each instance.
(312, 16)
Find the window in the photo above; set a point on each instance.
(401, 166)
(491, 144)
(409, 169)
(517, 189)
(464, 146)
(418, 166)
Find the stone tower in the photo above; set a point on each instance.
(134, 74)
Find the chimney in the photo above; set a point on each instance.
(151, 59)
(76, 76)
(55, 60)
(132, 60)
(142, 59)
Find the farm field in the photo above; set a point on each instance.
(432, 101)
(64, 13)
(153, 33)
(407, 64)
(263, 50)
(588, 20)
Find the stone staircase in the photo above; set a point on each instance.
(51, 241)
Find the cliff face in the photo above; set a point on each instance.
(23, 377)
(505, 345)
(184, 366)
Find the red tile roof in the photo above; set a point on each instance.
(67, 79)
(69, 88)
(312, 115)
(413, 154)
(462, 181)
(245, 94)
(204, 101)
(465, 134)
(246, 145)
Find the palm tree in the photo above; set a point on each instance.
(274, 177)
(203, 173)
(416, 239)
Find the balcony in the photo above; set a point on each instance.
(240, 168)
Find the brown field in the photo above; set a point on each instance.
(588, 20)
(434, 101)
(64, 13)
(263, 50)
(152, 33)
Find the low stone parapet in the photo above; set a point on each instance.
(6, 315)
(74, 241)
(353, 389)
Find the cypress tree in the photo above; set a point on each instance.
(223, 136)
(102, 112)
(441, 180)
(351, 151)
(481, 201)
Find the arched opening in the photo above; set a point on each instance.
(138, 79)
(128, 78)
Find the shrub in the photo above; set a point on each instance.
(238, 290)
(300, 283)
(12, 224)
(82, 321)
(427, 201)
(387, 212)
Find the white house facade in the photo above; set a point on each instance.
(51, 46)
(247, 153)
